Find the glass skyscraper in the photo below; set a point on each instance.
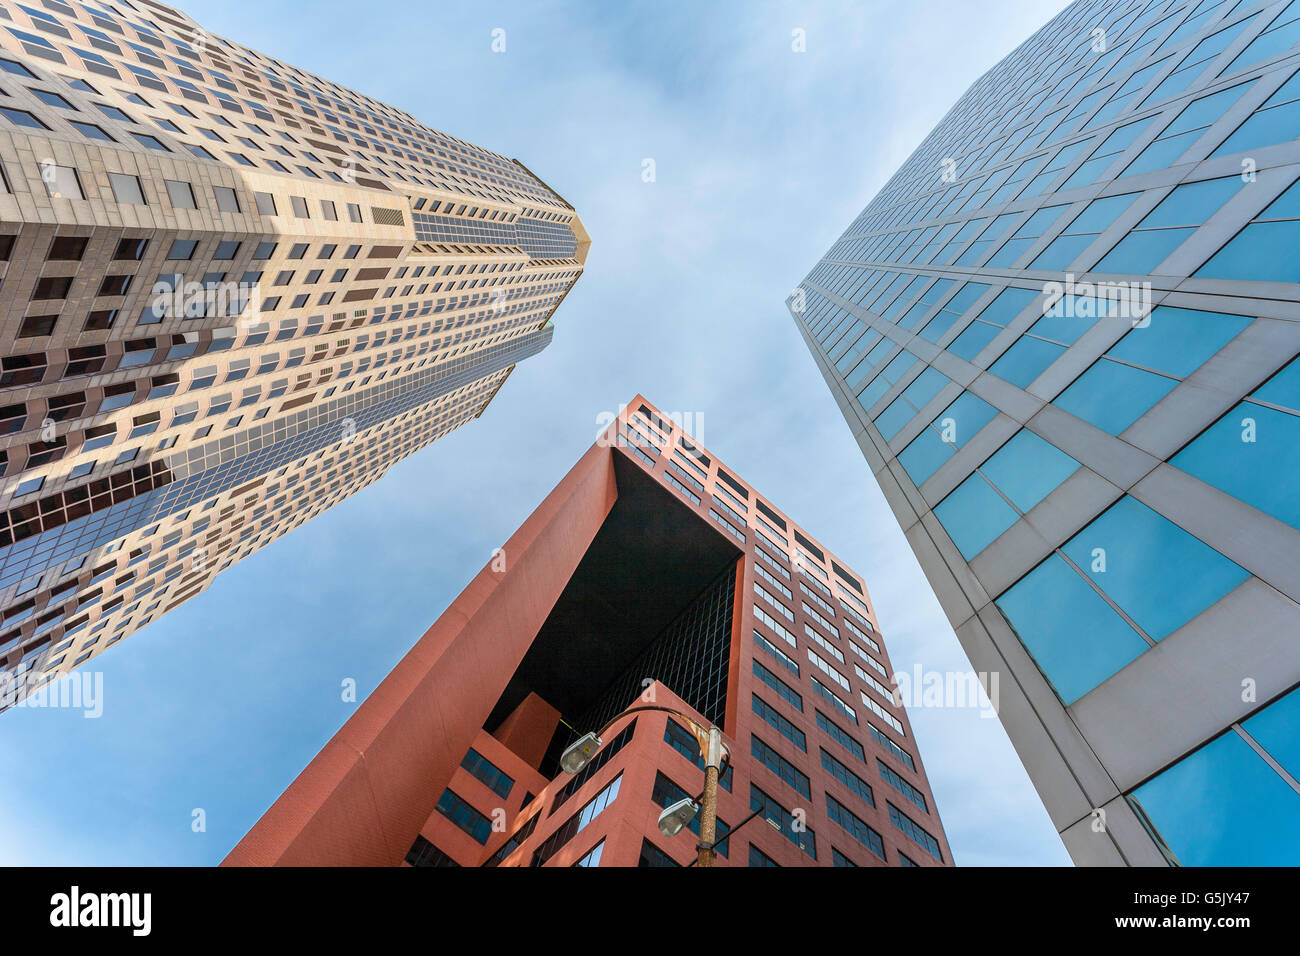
(1065, 336)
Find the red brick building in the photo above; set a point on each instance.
(651, 574)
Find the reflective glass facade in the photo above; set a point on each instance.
(1065, 336)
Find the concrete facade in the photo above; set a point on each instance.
(234, 294)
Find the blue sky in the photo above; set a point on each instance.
(762, 156)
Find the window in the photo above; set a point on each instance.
(452, 806)
(1082, 232)
(1106, 154)
(126, 189)
(1255, 472)
(915, 831)
(21, 118)
(115, 284)
(487, 773)
(1179, 135)
(1018, 476)
(951, 429)
(130, 249)
(577, 823)
(1148, 567)
(37, 325)
(666, 793)
(61, 182)
(912, 399)
(685, 744)
(265, 203)
(758, 858)
(1262, 251)
(895, 780)
(855, 784)
(1146, 364)
(1166, 227)
(299, 205)
(951, 311)
(892, 373)
(1026, 236)
(227, 199)
(778, 722)
(68, 248)
(112, 112)
(784, 690)
(592, 858)
(17, 69)
(996, 316)
(841, 736)
(1225, 804)
(425, 854)
(1273, 122)
(91, 131)
(52, 287)
(182, 249)
(792, 828)
(785, 770)
(150, 142)
(181, 194)
(652, 856)
(855, 826)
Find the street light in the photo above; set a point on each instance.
(677, 815)
(716, 758)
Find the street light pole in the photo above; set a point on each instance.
(709, 803)
(716, 755)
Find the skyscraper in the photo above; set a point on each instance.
(234, 294)
(651, 575)
(1064, 335)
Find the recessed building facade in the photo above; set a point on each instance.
(651, 575)
(1065, 337)
(234, 294)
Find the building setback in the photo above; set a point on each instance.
(1065, 336)
(652, 574)
(234, 293)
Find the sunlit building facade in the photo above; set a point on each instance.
(1065, 337)
(651, 576)
(234, 293)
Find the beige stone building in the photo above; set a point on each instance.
(234, 293)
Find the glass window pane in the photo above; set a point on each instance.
(1253, 454)
(1223, 805)
(974, 515)
(1113, 396)
(1028, 468)
(1026, 360)
(1082, 641)
(1160, 575)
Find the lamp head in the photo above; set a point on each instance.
(579, 753)
(677, 815)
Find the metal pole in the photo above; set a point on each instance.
(709, 804)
